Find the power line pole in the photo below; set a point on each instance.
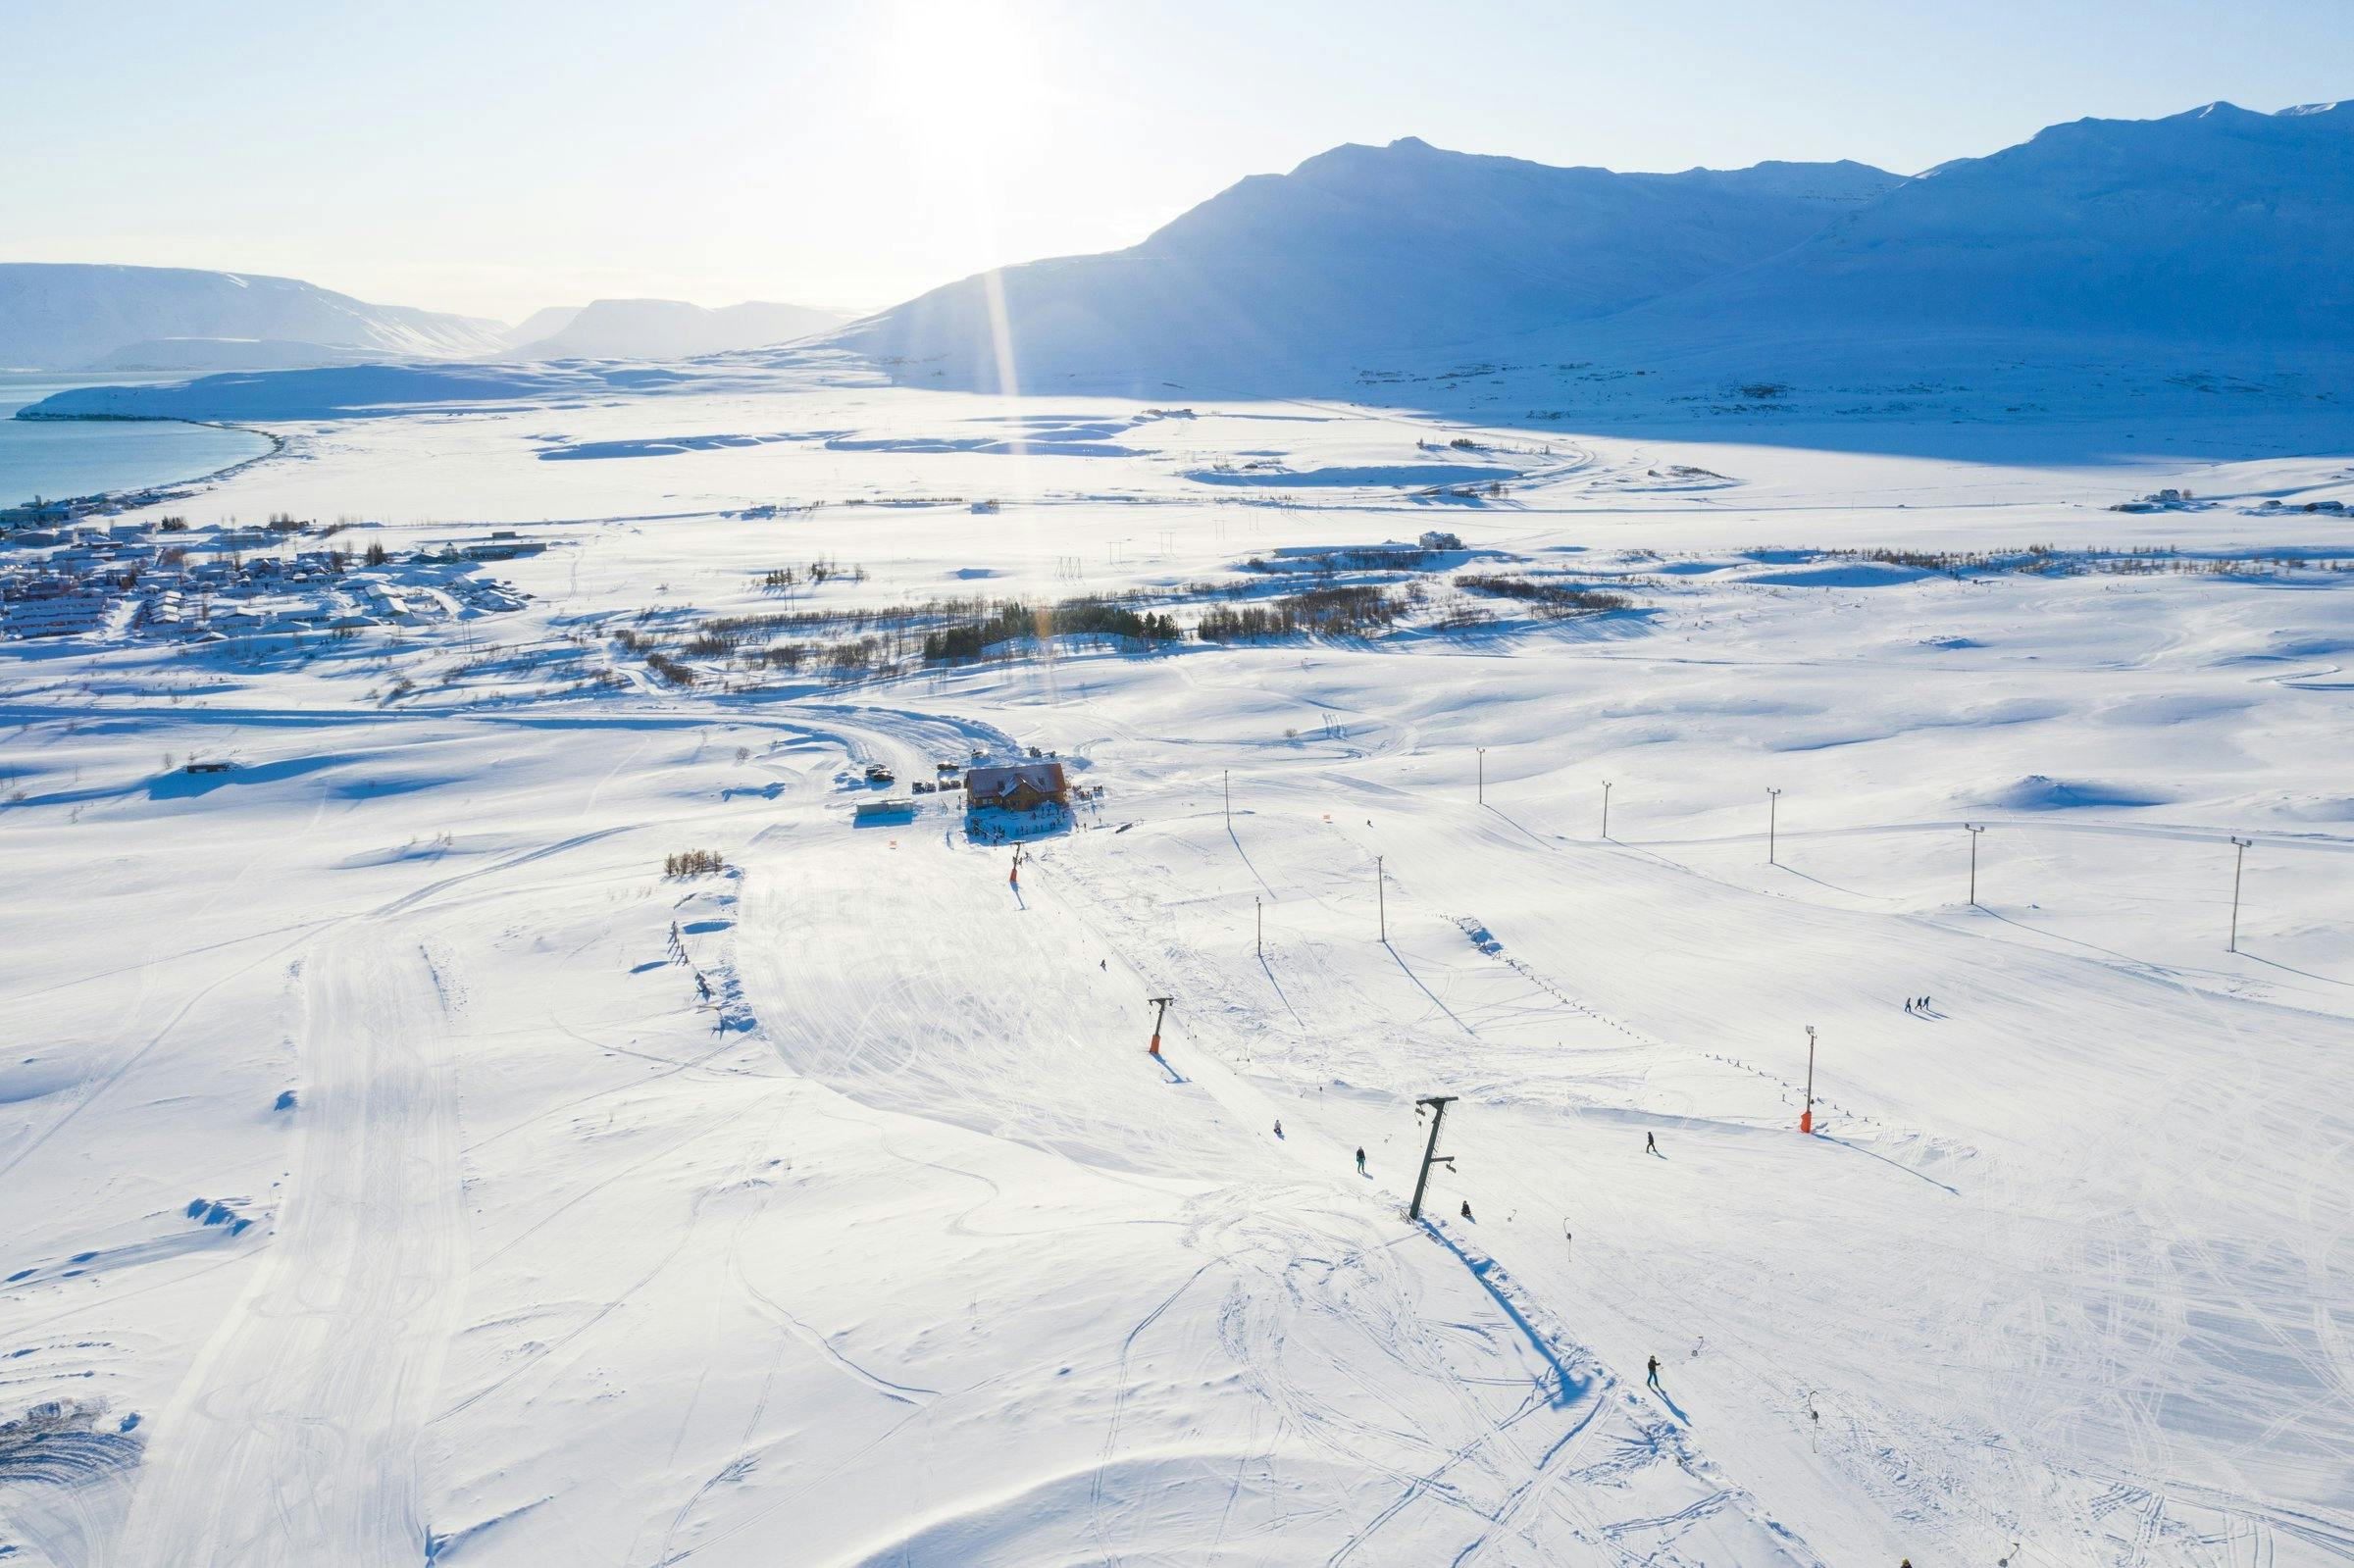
(2239, 859)
(1483, 774)
(1161, 1002)
(1431, 1156)
(1605, 808)
(1805, 1118)
(1773, 804)
(1381, 897)
(1976, 829)
(1226, 782)
(1259, 909)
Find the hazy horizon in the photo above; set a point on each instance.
(492, 165)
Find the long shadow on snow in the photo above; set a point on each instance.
(1568, 1386)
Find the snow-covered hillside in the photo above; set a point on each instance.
(668, 328)
(2219, 233)
(67, 317)
(1371, 251)
(2217, 227)
(415, 1151)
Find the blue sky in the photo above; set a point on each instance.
(495, 156)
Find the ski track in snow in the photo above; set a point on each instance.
(293, 1441)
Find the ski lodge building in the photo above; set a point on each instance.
(1016, 787)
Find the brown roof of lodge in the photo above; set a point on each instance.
(984, 786)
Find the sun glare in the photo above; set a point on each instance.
(962, 79)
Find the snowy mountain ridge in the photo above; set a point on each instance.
(670, 328)
(64, 315)
(2219, 225)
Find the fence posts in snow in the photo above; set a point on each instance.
(676, 948)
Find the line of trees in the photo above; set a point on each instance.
(967, 641)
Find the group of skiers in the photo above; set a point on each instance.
(1917, 1004)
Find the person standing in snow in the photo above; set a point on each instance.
(1279, 1127)
(1650, 1144)
(1654, 1378)
(1466, 1209)
(1360, 1162)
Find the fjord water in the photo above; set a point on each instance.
(81, 457)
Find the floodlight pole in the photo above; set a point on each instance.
(1431, 1156)
(1805, 1118)
(1976, 829)
(1605, 808)
(1483, 774)
(1381, 897)
(2239, 859)
(1774, 803)
(1226, 783)
(1259, 908)
(1161, 1002)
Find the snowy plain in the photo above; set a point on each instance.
(381, 1188)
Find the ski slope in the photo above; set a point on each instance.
(402, 1168)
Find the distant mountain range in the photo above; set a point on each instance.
(2220, 227)
(663, 329)
(2218, 241)
(71, 317)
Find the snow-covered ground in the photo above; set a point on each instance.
(399, 1166)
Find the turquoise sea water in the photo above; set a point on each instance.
(60, 458)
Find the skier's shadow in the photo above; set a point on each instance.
(1673, 1409)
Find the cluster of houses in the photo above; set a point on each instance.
(63, 578)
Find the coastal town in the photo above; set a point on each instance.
(78, 569)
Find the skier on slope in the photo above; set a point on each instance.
(1654, 1377)
(1360, 1162)
(1279, 1127)
(1466, 1209)
(1650, 1144)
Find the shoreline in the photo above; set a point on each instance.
(157, 494)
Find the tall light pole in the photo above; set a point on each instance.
(1976, 829)
(1381, 897)
(1226, 783)
(1259, 909)
(1774, 803)
(1605, 808)
(1483, 774)
(1805, 1118)
(2239, 858)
